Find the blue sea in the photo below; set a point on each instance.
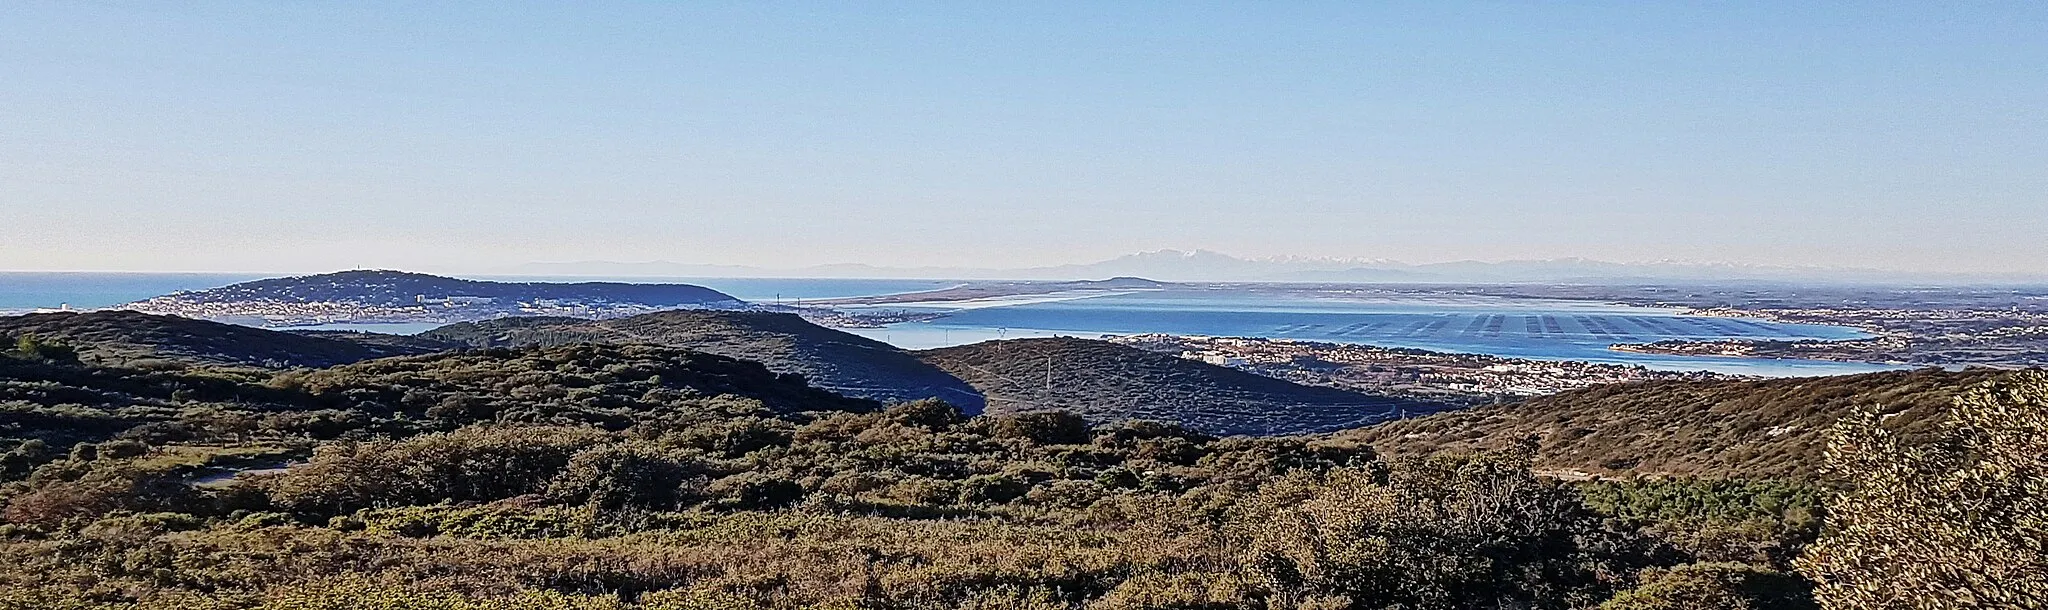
(29, 291)
(1526, 328)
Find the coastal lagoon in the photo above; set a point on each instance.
(766, 290)
(1543, 329)
(1517, 327)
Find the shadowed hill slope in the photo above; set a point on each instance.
(1768, 428)
(842, 362)
(1107, 382)
(544, 384)
(128, 337)
(60, 402)
(403, 344)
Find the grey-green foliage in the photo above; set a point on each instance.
(638, 474)
(1444, 532)
(1956, 523)
(30, 346)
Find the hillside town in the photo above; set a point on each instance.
(2013, 336)
(423, 309)
(1414, 373)
(398, 297)
(845, 318)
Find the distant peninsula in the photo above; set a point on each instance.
(983, 291)
(382, 296)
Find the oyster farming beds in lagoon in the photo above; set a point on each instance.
(1543, 329)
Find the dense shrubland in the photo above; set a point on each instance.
(832, 359)
(632, 477)
(1105, 381)
(135, 339)
(1722, 428)
(1958, 521)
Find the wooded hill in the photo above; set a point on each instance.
(835, 360)
(383, 288)
(132, 339)
(1106, 382)
(1767, 428)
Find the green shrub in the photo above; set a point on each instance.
(472, 464)
(930, 413)
(1715, 586)
(29, 346)
(992, 489)
(755, 491)
(1042, 427)
(640, 475)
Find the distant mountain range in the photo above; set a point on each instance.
(1205, 265)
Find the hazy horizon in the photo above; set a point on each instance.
(525, 267)
(216, 137)
(1186, 265)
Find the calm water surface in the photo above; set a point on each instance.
(1525, 328)
(769, 290)
(27, 291)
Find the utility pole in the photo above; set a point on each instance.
(1048, 375)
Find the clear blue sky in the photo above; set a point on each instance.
(299, 136)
